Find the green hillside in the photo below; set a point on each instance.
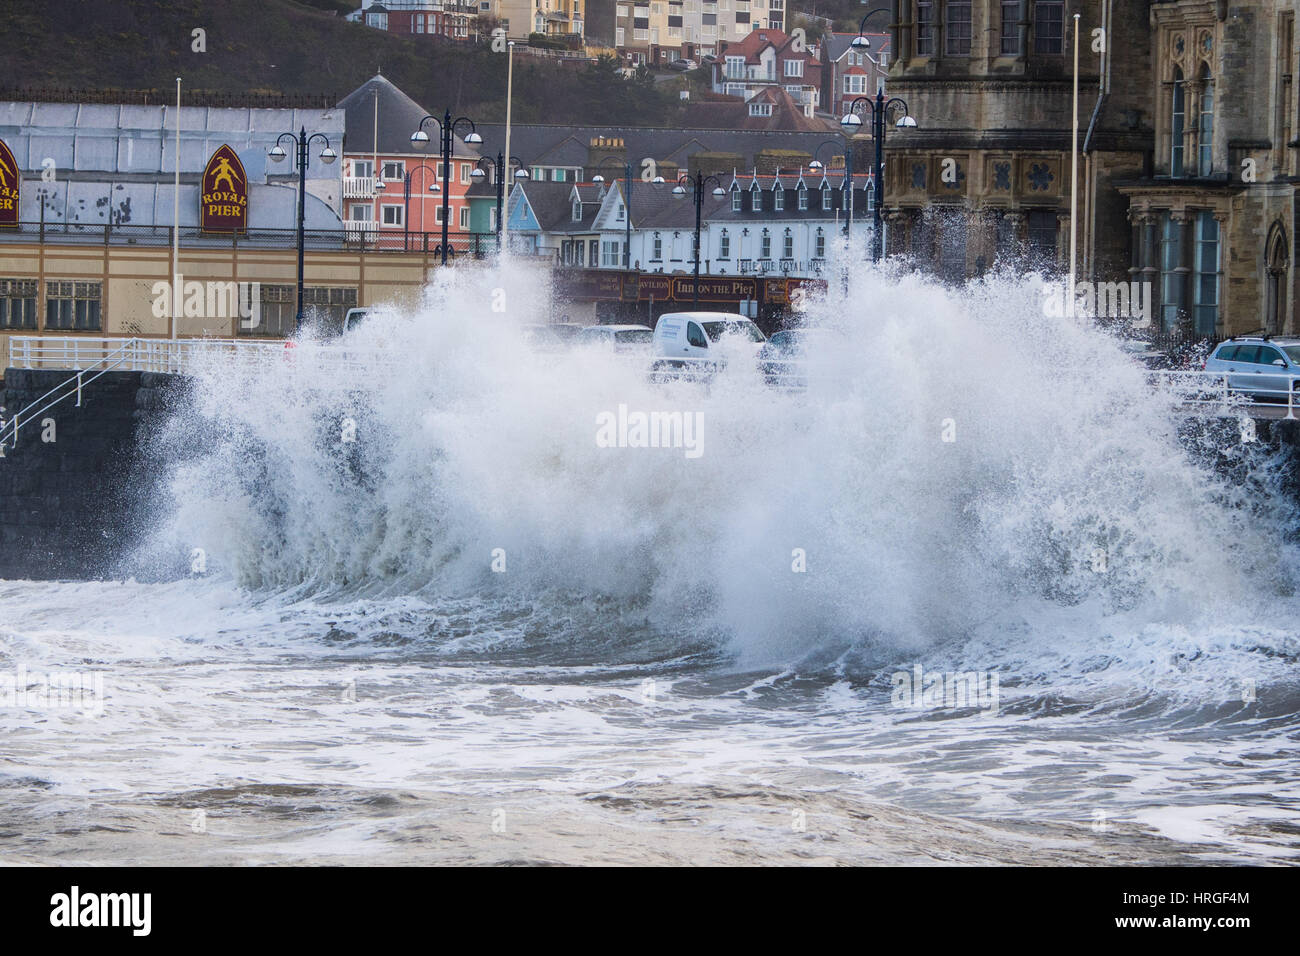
(283, 46)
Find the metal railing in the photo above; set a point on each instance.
(66, 389)
(364, 238)
(1231, 393)
(129, 355)
(180, 356)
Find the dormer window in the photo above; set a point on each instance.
(577, 210)
(735, 200)
(778, 197)
(803, 196)
(760, 109)
(826, 198)
(755, 199)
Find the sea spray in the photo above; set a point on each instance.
(957, 454)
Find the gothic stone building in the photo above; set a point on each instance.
(1188, 150)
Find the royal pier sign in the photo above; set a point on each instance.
(223, 194)
(10, 182)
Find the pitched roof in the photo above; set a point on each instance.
(836, 45)
(399, 116)
(786, 114)
(756, 41)
(550, 203)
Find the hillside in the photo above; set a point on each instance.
(282, 46)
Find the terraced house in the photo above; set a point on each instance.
(1187, 163)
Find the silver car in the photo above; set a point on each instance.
(1266, 368)
(619, 338)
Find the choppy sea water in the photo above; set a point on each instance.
(436, 621)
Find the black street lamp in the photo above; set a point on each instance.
(447, 129)
(406, 201)
(498, 166)
(327, 156)
(848, 176)
(699, 181)
(852, 122)
(861, 43)
(627, 210)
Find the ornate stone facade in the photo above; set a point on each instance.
(1188, 151)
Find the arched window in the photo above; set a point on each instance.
(765, 245)
(1205, 128)
(1275, 281)
(1177, 125)
(724, 245)
(820, 247)
(787, 244)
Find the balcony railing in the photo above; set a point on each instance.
(363, 230)
(358, 187)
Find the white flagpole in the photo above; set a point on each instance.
(1074, 174)
(176, 216)
(509, 181)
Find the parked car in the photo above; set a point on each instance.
(545, 338)
(1263, 367)
(568, 331)
(782, 357)
(683, 65)
(793, 343)
(619, 338)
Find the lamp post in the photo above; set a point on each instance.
(698, 182)
(327, 156)
(406, 201)
(848, 174)
(447, 129)
(498, 166)
(860, 42)
(627, 212)
(852, 122)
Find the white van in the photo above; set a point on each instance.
(354, 318)
(698, 335)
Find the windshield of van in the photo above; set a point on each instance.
(716, 330)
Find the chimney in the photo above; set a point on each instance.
(602, 148)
